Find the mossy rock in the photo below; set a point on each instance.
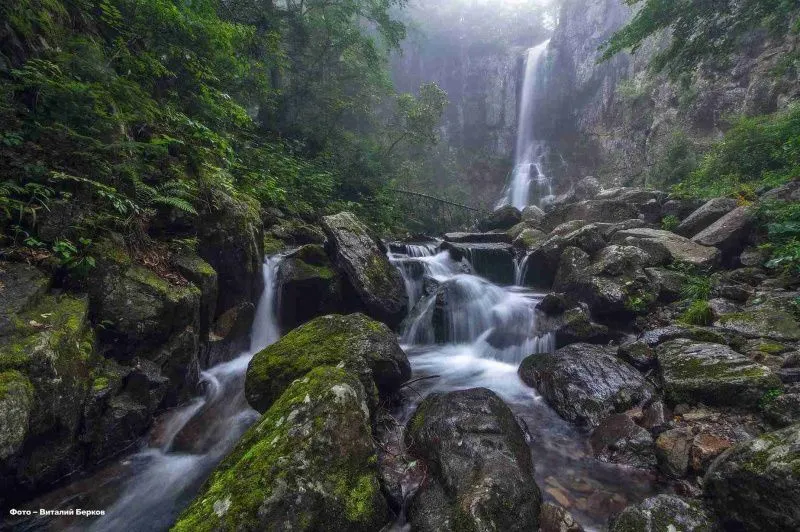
(202, 275)
(360, 344)
(49, 354)
(21, 286)
(755, 485)
(309, 286)
(308, 464)
(16, 403)
(713, 374)
(665, 513)
(377, 284)
(768, 317)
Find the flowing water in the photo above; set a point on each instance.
(529, 183)
(147, 491)
(466, 332)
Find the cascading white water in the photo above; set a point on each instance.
(529, 153)
(166, 475)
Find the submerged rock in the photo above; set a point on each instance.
(756, 485)
(377, 283)
(361, 345)
(712, 374)
(585, 383)
(665, 513)
(618, 439)
(308, 464)
(480, 475)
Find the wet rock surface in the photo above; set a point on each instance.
(480, 474)
(585, 383)
(666, 512)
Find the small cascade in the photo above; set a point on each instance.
(520, 270)
(193, 439)
(528, 182)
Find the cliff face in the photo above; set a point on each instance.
(475, 52)
(615, 119)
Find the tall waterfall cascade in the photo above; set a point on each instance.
(529, 184)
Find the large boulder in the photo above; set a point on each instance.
(788, 192)
(308, 464)
(21, 286)
(665, 513)
(231, 240)
(712, 374)
(710, 212)
(361, 345)
(596, 210)
(768, 315)
(480, 474)
(585, 383)
(542, 263)
(533, 215)
(377, 283)
(503, 218)
(308, 286)
(45, 370)
(756, 485)
(666, 247)
(729, 233)
(478, 238)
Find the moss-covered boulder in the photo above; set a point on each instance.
(377, 284)
(231, 240)
(665, 247)
(712, 374)
(45, 363)
(665, 513)
(756, 485)
(309, 286)
(355, 341)
(767, 315)
(577, 326)
(308, 464)
(16, 405)
(480, 474)
(202, 275)
(596, 210)
(21, 286)
(585, 383)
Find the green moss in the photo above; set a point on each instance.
(354, 340)
(311, 451)
(100, 383)
(14, 381)
(272, 245)
(379, 271)
(771, 348)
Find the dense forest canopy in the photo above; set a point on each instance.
(135, 107)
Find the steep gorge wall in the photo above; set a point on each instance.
(615, 119)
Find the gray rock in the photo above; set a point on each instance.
(554, 518)
(712, 374)
(503, 218)
(478, 238)
(585, 383)
(610, 211)
(768, 315)
(377, 283)
(788, 192)
(479, 465)
(621, 441)
(729, 233)
(533, 215)
(663, 513)
(673, 448)
(670, 283)
(755, 485)
(529, 239)
(706, 215)
(309, 286)
(577, 326)
(783, 410)
(666, 247)
(21, 286)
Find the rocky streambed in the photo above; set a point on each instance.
(578, 367)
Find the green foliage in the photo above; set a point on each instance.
(417, 117)
(136, 108)
(670, 222)
(700, 29)
(696, 287)
(675, 164)
(698, 313)
(782, 220)
(756, 153)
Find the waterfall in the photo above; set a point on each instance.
(529, 153)
(193, 439)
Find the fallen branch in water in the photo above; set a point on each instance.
(412, 381)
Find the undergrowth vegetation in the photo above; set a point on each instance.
(130, 110)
